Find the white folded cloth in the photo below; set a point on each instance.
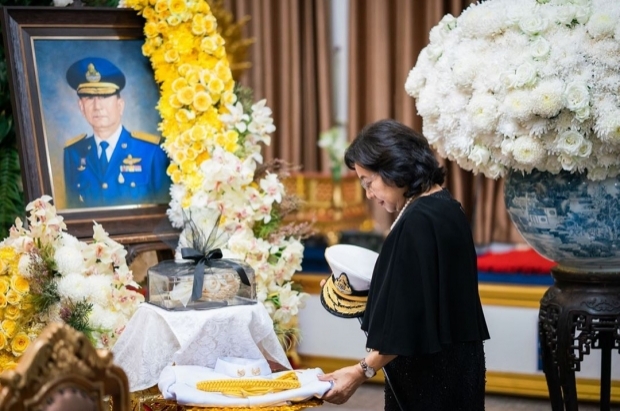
(178, 383)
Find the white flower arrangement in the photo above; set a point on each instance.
(334, 142)
(228, 189)
(213, 136)
(87, 285)
(524, 85)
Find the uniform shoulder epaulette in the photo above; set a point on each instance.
(74, 140)
(149, 138)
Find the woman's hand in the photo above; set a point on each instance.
(345, 382)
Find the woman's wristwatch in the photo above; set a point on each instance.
(369, 372)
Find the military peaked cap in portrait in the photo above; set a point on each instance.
(95, 76)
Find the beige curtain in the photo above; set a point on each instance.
(385, 40)
(291, 69)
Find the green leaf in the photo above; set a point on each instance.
(11, 195)
(6, 126)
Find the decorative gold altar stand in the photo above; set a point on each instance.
(152, 400)
(332, 206)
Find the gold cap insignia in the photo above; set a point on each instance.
(342, 283)
(92, 75)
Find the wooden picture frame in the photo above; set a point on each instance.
(41, 43)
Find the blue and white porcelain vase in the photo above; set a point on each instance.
(567, 218)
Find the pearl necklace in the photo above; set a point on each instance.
(401, 212)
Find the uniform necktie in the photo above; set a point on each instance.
(103, 159)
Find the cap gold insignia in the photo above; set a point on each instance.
(343, 284)
(92, 75)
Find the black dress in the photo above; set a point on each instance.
(424, 307)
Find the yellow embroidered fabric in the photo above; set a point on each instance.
(246, 387)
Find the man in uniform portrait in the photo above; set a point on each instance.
(112, 166)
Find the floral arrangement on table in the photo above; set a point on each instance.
(524, 85)
(213, 134)
(48, 275)
(334, 142)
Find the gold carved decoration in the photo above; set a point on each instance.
(332, 206)
(61, 358)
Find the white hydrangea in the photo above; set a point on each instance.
(538, 79)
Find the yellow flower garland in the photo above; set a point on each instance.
(190, 65)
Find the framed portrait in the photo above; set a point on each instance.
(84, 100)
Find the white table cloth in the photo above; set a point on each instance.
(155, 338)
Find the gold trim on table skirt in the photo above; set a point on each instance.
(152, 400)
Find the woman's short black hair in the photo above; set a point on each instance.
(399, 154)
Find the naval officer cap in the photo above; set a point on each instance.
(95, 76)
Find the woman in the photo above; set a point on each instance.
(423, 317)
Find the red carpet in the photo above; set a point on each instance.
(517, 261)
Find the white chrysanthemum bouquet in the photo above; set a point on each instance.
(524, 85)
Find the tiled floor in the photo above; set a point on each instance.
(370, 398)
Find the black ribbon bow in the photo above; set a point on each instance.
(212, 258)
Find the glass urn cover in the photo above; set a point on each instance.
(170, 285)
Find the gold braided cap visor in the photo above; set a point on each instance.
(97, 89)
(337, 301)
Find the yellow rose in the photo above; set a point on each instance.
(177, 6)
(193, 77)
(12, 312)
(202, 101)
(162, 27)
(184, 116)
(13, 297)
(186, 95)
(171, 56)
(174, 101)
(19, 343)
(161, 6)
(9, 327)
(216, 86)
(199, 25)
(173, 20)
(150, 30)
(4, 285)
(210, 24)
(20, 284)
(184, 68)
(178, 84)
(198, 133)
(148, 13)
(3, 340)
(208, 44)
